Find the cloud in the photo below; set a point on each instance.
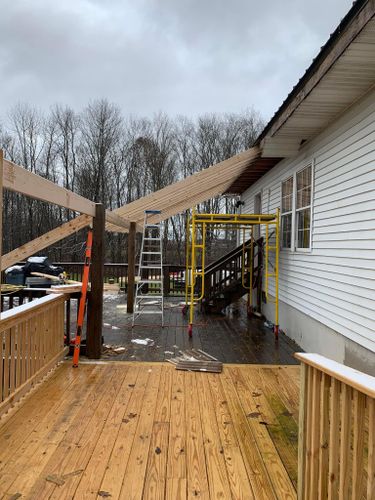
(184, 56)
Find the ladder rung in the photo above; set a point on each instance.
(156, 266)
(154, 226)
(142, 296)
(272, 248)
(157, 311)
(151, 253)
(150, 281)
(152, 239)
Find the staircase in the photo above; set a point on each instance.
(223, 278)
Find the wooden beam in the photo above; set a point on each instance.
(95, 304)
(20, 180)
(44, 241)
(183, 194)
(118, 221)
(131, 268)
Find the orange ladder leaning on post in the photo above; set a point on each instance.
(82, 302)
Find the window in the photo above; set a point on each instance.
(303, 208)
(296, 210)
(286, 212)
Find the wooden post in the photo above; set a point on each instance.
(95, 304)
(1, 209)
(131, 267)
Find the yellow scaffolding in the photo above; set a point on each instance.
(196, 244)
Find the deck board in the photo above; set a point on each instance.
(146, 431)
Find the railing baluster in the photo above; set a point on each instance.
(334, 440)
(315, 434)
(371, 448)
(302, 431)
(324, 435)
(346, 403)
(358, 443)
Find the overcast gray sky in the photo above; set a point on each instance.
(178, 56)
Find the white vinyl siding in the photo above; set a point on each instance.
(333, 283)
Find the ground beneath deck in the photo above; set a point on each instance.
(232, 338)
(147, 431)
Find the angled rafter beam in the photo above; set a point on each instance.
(16, 178)
(118, 221)
(45, 241)
(194, 189)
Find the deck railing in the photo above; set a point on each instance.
(336, 452)
(31, 343)
(174, 275)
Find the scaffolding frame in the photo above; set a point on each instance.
(196, 228)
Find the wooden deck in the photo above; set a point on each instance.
(232, 338)
(146, 431)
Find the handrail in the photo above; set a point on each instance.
(336, 436)
(354, 378)
(17, 315)
(31, 344)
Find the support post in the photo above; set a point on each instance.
(95, 303)
(131, 267)
(1, 208)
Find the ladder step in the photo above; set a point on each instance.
(152, 239)
(153, 226)
(157, 311)
(149, 296)
(151, 253)
(156, 266)
(149, 281)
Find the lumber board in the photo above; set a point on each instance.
(195, 458)
(142, 431)
(20, 180)
(83, 432)
(44, 241)
(219, 485)
(194, 189)
(49, 430)
(278, 475)
(116, 466)
(133, 482)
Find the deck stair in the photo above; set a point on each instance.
(223, 278)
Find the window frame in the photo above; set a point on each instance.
(294, 239)
(290, 212)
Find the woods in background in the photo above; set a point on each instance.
(108, 158)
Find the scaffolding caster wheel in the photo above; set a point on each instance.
(276, 331)
(190, 331)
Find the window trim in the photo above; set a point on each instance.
(293, 246)
(290, 212)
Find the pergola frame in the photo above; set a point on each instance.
(16, 178)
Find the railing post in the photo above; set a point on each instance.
(302, 432)
(131, 267)
(1, 206)
(95, 305)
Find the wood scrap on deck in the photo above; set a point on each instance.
(196, 360)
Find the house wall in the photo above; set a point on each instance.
(330, 290)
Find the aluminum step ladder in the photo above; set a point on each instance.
(149, 296)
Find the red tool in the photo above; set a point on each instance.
(82, 302)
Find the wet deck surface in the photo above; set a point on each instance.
(232, 338)
(146, 431)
